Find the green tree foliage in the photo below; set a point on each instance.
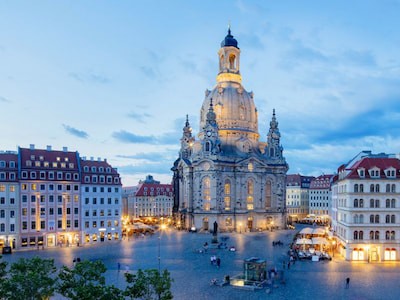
(86, 282)
(29, 279)
(149, 285)
(3, 272)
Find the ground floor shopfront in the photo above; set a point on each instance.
(370, 252)
(233, 222)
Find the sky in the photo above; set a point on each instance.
(115, 79)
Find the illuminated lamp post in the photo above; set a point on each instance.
(162, 228)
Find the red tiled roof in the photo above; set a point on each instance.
(321, 182)
(145, 189)
(373, 162)
(48, 156)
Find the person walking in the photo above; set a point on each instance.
(347, 282)
(218, 262)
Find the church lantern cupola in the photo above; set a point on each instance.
(229, 60)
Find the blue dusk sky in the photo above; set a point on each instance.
(115, 79)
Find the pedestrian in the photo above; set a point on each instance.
(288, 265)
(218, 262)
(347, 282)
(119, 267)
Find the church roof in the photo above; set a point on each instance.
(229, 40)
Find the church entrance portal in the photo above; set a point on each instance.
(205, 224)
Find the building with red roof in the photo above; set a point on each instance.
(52, 198)
(366, 208)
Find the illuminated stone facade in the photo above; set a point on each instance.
(227, 175)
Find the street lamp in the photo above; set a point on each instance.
(162, 228)
(333, 248)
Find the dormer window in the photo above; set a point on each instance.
(361, 173)
(93, 169)
(86, 168)
(374, 173)
(390, 172)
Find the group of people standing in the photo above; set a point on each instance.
(216, 261)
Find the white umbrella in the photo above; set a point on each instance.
(307, 230)
(303, 241)
(318, 231)
(319, 241)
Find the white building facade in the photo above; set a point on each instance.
(297, 196)
(320, 198)
(9, 199)
(366, 208)
(228, 176)
(101, 202)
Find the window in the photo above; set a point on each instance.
(356, 188)
(361, 188)
(355, 235)
(393, 203)
(361, 203)
(250, 193)
(387, 203)
(371, 203)
(372, 188)
(355, 203)
(393, 188)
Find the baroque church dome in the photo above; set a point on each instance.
(236, 113)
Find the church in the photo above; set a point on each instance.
(227, 174)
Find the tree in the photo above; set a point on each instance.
(86, 282)
(30, 279)
(149, 285)
(3, 272)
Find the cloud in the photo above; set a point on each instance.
(124, 136)
(139, 117)
(90, 77)
(4, 100)
(127, 137)
(76, 132)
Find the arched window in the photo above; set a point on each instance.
(361, 235)
(392, 235)
(392, 219)
(377, 188)
(232, 61)
(206, 187)
(376, 235)
(371, 203)
(268, 194)
(361, 188)
(372, 188)
(387, 219)
(355, 204)
(377, 203)
(250, 195)
(376, 218)
(356, 188)
(393, 203)
(208, 146)
(355, 235)
(387, 235)
(227, 197)
(371, 235)
(361, 219)
(393, 188)
(361, 203)
(387, 203)
(371, 218)
(388, 188)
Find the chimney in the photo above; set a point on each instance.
(65, 149)
(91, 158)
(48, 148)
(99, 159)
(32, 146)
